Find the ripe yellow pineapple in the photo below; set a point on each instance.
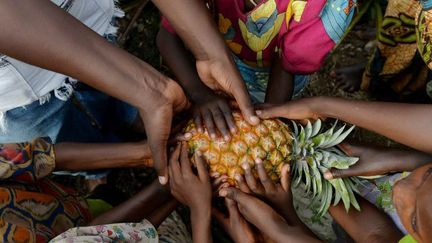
(309, 152)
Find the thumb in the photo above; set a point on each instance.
(286, 177)
(342, 173)
(234, 194)
(158, 129)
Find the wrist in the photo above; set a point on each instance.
(322, 106)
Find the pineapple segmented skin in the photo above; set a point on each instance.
(270, 141)
(309, 151)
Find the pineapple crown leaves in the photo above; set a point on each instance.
(313, 154)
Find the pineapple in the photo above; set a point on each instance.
(309, 152)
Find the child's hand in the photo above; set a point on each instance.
(278, 195)
(189, 189)
(235, 224)
(213, 110)
(301, 109)
(254, 210)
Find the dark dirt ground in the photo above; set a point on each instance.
(141, 43)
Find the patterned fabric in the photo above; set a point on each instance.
(301, 32)
(32, 207)
(172, 230)
(397, 66)
(143, 232)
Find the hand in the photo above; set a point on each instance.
(278, 195)
(215, 112)
(220, 73)
(378, 161)
(255, 211)
(235, 224)
(189, 189)
(157, 113)
(301, 109)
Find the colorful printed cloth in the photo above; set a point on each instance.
(172, 230)
(301, 32)
(397, 69)
(32, 207)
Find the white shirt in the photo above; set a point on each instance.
(22, 84)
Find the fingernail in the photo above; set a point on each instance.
(215, 174)
(162, 180)
(200, 130)
(233, 130)
(258, 161)
(227, 138)
(237, 177)
(258, 112)
(254, 119)
(328, 175)
(213, 136)
(288, 168)
(223, 193)
(245, 166)
(198, 153)
(188, 135)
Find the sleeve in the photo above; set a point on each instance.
(26, 162)
(167, 26)
(311, 37)
(424, 32)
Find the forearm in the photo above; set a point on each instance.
(83, 156)
(52, 39)
(288, 234)
(201, 225)
(368, 225)
(140, 206)
(179, 59)
(281, 85)
(408, 124)
(194, 24)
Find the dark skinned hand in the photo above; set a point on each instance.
(214, 112)
(189, 189)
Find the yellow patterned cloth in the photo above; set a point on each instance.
(33, 208)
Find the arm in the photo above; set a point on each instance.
(82, 156)
(195, 26)
(143, 205)
(368, 225)
(52, 39)
(192, 190)
(208, 106)
(408, 124)
(281, 85)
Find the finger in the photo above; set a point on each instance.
(173, 164)
(245, 104)
(267, 183)
(183, 137)
(263, 106)
(234, 194)
(158, 128)
(226, 110)
(252, 183)
(352, 171)
(274, 111)
(219, 119)
(201, 167)
(241, 183)
(233, 105)
(232, 208)
(184, 160)
(198, 122)
(218, 181)
(286, 177)
(208, 119)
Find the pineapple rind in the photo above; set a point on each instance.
(309, 151)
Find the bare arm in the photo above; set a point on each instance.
(143, 205)
(280, 86)
(83, 156)
(407, 124)
(194, 24)
(368, 225)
